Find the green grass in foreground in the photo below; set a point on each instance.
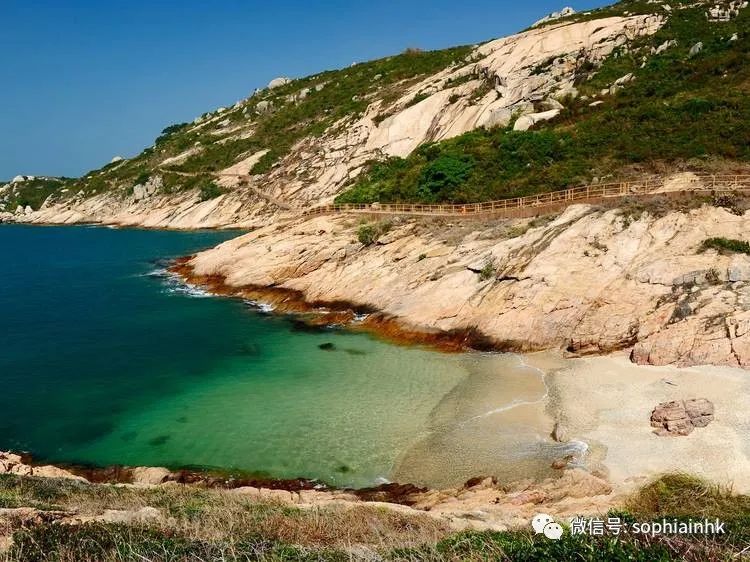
(200, 524)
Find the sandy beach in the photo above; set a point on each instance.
(607, 402)
(500, 422)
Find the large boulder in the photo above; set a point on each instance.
(525, 122)
(150, 475)
(567, 11)
(681, 417)
(264, 107)
(278, 82)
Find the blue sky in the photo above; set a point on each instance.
(83, 81)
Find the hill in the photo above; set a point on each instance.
(638, 87)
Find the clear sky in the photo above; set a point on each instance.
(82, 81)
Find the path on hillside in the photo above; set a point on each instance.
(519, 206)
(553, 200)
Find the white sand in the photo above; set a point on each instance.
(607, 402)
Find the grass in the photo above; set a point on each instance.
(205, 524)
(726, 246)
(198, 523)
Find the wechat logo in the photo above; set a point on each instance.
(543, 523)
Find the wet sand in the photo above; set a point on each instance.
(499, 421)
(495, 422)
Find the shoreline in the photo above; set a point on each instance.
(377, 323)
(212, 478)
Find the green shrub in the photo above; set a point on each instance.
(169, 131)
(726, 245)
(142, 178)
(209, 190)
(441, 178)
(487, 272)
(367, 234)
(417, 98)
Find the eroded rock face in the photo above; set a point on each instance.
(681, 417)
(11, 463)
(589, 281)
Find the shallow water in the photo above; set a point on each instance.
(104, 359)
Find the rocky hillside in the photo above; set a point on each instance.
(527, 113)
(665, 277)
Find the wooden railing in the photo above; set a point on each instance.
(697, 182)
(551, 199)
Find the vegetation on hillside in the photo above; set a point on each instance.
(679, 108)
(30, 193)
(204, 524)
(273, 120)
(726, 246)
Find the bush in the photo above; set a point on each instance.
(367, 234)
(209, 190)
(443, 176)
(487, 272)
(142, 178)
(725, 245)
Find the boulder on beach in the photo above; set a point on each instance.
(681, 417)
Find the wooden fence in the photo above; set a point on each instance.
(552, 199)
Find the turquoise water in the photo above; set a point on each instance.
(104, 360)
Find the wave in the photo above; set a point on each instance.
(174, 284)
(262, 307)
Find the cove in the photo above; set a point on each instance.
(106, 359)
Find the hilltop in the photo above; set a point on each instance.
(635, 88)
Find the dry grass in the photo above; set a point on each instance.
(222, 519)
(205, 524)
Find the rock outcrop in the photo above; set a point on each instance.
(481, 504)
(681, 417)
(565, 12)
(589, 281)
(11, 463)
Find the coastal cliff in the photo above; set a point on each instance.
(589, 280)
